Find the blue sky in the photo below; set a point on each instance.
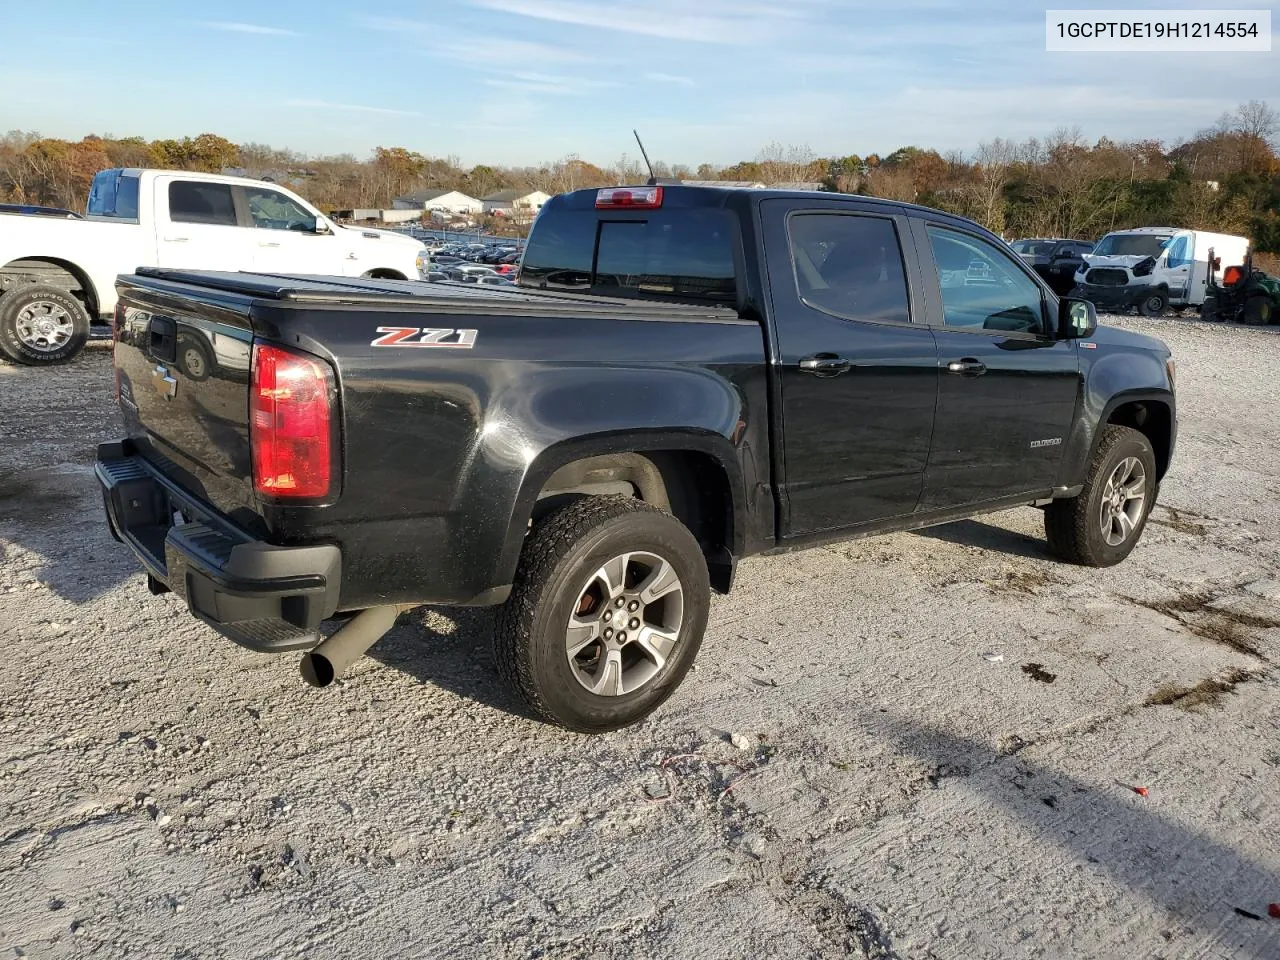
(526, 81)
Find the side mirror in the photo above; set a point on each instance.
(322, 229)
(1077, 319)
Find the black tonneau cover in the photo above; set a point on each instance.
(447, 296)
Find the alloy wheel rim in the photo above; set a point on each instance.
(1123, 499)
(625, 624)
(45, 326)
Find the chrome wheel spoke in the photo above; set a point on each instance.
(608, 677)
(1125, 522)
(660, 582)
(580, 635)
(614, 575)
(657, 644)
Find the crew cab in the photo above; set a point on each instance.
(58, 273)
(685, 377)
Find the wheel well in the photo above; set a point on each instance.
(1153, 419)
(691, 485)
(51, 270)
(385, 273)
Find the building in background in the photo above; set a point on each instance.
(517, 204)
(449, 201)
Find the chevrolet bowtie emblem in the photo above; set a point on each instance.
(165, 384)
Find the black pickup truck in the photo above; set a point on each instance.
(685, 376)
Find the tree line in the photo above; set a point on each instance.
(1224, 178)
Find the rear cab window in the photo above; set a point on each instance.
(114, 194)
(678, 252)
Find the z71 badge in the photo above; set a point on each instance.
(441, 337)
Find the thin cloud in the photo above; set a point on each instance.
(670, 78)
(475, 49)
(350, 108)
(718, 21)
(254, 28)
(526, 82)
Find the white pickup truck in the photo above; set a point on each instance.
(59, 272)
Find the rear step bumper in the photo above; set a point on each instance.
(261, 596)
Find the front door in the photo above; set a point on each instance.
(858, 378)
(285, 238)
(1008, 388)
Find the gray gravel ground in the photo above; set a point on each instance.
(166, 794)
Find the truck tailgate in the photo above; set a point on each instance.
(183, 369)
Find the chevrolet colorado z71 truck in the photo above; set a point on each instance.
(686, 376)
(58, 270)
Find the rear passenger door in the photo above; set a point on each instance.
(1008, 388)
(197, 226)
(858, 377)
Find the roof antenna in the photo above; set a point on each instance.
(643, 153)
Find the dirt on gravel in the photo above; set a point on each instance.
(860, 764)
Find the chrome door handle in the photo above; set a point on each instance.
(967, 367)
(825, 365)
(175, 239)
(268, 243)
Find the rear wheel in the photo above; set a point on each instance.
(1154, 305)
(1101, 526)
(42, 324)
(1258, 311)
(606, 615)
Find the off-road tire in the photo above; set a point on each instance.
(1073, 526)
(558, 557)
(1154, 305)
(12, 304)
(1258, 312)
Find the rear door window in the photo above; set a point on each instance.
(191, 201)
(849, 265)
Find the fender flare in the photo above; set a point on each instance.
(553, 458)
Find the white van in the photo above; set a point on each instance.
(1153, 268)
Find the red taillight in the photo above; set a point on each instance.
(633, 198)
(290, 423)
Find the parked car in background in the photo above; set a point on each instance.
(1154, 268)
(467, 271)
(58, 273)
(493, 280)
(1057, 260)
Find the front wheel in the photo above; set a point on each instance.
(42, 324)
(1101, 526)
(1154, 305)
(606, 615)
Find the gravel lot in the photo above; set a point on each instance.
(166, 794)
